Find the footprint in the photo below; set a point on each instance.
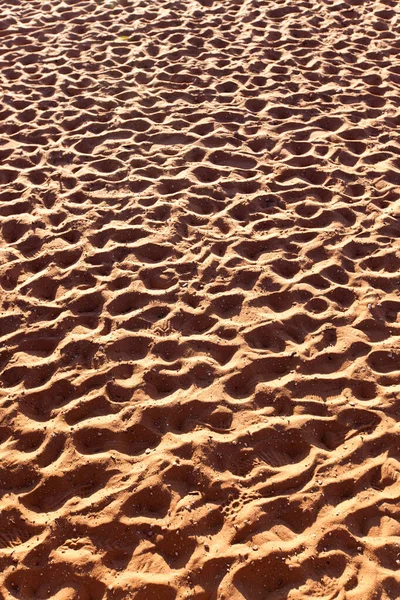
(153, 253)
(149, 501)
(133, 440)
(269, 574)
(128, 348)
(18, 531)
(383, 361)
(53, 492)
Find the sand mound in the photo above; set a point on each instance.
(200, 360)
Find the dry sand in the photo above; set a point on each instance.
(200, 357)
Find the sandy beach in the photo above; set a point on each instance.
(200, 298)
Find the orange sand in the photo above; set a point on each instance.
(200, 360)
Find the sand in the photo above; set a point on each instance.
(200, 359)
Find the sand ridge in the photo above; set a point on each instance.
(199, 264)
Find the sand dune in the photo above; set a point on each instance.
(199, 263)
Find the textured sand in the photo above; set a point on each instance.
(199, 264)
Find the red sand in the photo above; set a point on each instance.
(200, 360)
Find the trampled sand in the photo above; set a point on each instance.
(200, 361)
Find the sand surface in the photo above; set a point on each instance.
(199, 270)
